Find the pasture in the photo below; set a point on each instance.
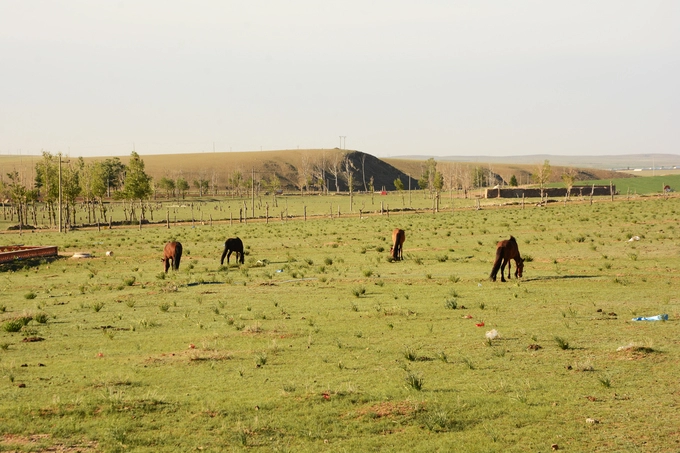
(320, 343)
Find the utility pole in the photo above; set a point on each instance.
(252, 179)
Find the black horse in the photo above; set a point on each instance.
(233, 245)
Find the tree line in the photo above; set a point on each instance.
(87, 185)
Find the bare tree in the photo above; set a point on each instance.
(542, 175)
(348, 174)
(335, 163)
(569, 177)
(449, 174)
(304, 172)
(318, 171)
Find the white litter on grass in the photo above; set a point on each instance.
(109, 253)
(492, 334)
(626, 347)
(634, 238)
(81, 255)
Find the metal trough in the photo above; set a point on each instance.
(10, 253)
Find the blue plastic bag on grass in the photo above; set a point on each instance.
(663, 317)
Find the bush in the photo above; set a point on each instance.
(359, 291)
(41, 317)
(15, 325)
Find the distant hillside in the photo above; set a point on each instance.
(290, 165)
(287, 165)
(618, 162)
(503, 172)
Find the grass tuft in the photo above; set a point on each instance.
(562, 343)
(414, 381)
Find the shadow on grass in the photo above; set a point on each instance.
(205, 283)
(28, 263)
(559, 277)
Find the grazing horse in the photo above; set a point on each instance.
(172, 252)
(398, 238)
(233, 245)
(505, 251)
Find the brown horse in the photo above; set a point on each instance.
(172, 252)
(507, 250)
(233, 245)
(398, 238)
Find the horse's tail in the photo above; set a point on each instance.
(177, 256)
(497, 263)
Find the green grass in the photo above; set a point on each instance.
(328, 360)
(641, 186)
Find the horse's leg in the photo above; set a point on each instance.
(166, 264)
(223, 255)
(503, 263)
(228, 255)
(509, 267)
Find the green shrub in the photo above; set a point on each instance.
(414, 381)
(562, 343)
(358, 291)
(41, 317)
(15, 325)
(451, 303)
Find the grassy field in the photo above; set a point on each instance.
(642, 185)
(320, 343)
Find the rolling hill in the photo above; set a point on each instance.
(291, 167)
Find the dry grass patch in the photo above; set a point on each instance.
(43, 442)
(393, 409)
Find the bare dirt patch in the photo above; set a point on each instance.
(36, 441)
(393, 409)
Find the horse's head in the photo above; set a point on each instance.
(519, 267)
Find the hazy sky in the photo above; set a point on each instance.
(395, 77)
